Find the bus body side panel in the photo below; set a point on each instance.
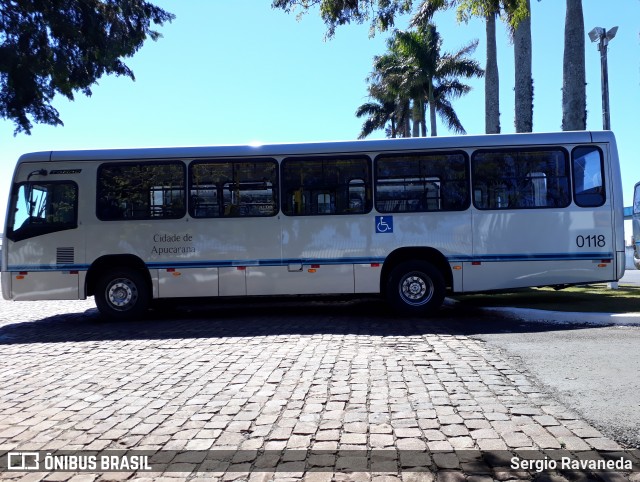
(357, 242)
(309, 279)
(55, 285)
(367, 277)
(617, 206)
(187, 282)
(193, 257)
(607, 143)
(6, 285)
(318, 253)
(546, 246)
(447, 232)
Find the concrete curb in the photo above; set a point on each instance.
(562, 317)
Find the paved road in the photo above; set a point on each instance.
(593, 370)
(631, 277)
(279, 376)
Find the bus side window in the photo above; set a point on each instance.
(588, 178)
(108, 208)
(144, 190)
(326, 185)
(326, 203)
(233, 188)
(422, 182)
(357, 194)
(524, 178)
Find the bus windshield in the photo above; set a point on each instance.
(42, 207)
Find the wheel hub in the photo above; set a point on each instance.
(415, 289)
(121, 293)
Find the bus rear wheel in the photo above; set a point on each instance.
(122, 294)
(416, 288)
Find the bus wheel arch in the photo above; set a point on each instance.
(121, 285)
(415, 280)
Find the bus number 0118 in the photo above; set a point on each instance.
(591, 241)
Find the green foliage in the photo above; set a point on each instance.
(51, 47)
(334, 13)
(511, 11)
(382, 13)
(414, 70)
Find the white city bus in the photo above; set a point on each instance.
(411, 219)
(635, 220)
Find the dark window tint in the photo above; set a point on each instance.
(422, 182)
(141, 191)
(233, 188)
(520, 179)
(42, 207)
(333, 185)
(588, 178)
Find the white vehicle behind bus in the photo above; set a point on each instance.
(411, 219)
(635, 221)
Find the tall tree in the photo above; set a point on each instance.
(489, 10)
(428, 77)
(516, 12)
(391, 83)
(574, 95)
(380, 13)
(49, 48)
(386, 110)
(492, 78)
(523, 74)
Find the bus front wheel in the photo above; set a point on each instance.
(122, 294)
(416, 288)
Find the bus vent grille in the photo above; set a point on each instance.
(64, 256)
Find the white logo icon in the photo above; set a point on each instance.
(23, 461)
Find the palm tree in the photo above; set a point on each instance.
(435, 75)
(386, 112)
(415, 69)
(488, 9)
(492, 78)
(523, 77)
(389, 103)
(574, 96)
(514, 10)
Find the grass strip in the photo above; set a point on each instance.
(596, 298)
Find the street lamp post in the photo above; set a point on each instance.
(603, 37)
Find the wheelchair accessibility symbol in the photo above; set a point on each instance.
(384, 224)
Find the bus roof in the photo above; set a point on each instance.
(334, 147)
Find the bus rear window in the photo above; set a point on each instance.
(588, 184)
(39, 208)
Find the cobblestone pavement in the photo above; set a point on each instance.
(280, 376)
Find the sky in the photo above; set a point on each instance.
(238, 72)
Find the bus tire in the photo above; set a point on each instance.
(122, 294)
(416, 288)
